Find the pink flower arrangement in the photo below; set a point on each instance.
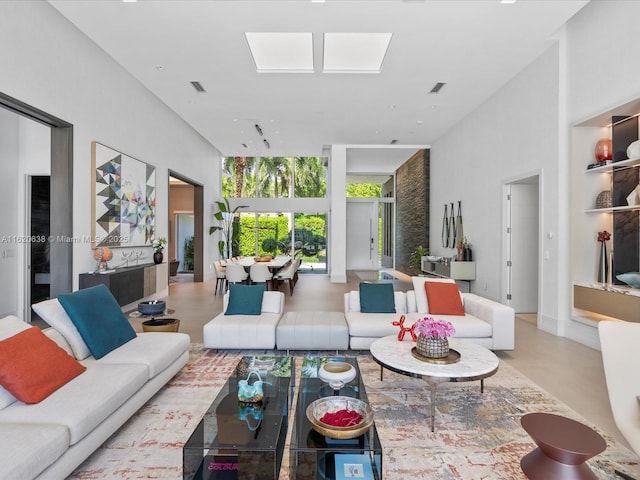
(430, 327)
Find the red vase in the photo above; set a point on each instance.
(604, 150)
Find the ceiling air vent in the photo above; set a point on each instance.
(198, 86)
(436, 88)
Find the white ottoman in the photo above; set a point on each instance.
(312, 331)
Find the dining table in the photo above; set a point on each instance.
(274, 265)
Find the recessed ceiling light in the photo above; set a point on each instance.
(419, 122)
(437, 87)
(355, 52)
(160, 68)
(281, 52)
(198, 87)
(507, 2)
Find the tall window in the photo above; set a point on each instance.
(363, 190)
(238, 177)
(274, 177)
(310, 177)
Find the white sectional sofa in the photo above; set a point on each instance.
(240, 331)
(364, 328)
(49, 439)
(485, 322)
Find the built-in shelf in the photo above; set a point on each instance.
(626, 208)
(599, 301)
(631, 162)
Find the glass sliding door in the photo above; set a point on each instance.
(310, 241)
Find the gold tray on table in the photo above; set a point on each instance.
(453, 357)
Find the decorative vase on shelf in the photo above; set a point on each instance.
(157, 257)
(604, 150)
(432, 347)
(603, 264)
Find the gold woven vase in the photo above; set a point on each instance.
(432, 347)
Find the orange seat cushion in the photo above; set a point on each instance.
(444, 298)
(32, 366)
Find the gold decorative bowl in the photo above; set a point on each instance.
(317, 409)
(266, 258)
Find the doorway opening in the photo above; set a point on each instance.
(39, 229)
(61, 198)
(522, 198)
(184, 251)
(186, 242)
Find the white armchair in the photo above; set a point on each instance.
(619, 342)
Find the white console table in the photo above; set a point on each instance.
(465, 271)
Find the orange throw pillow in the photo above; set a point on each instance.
(443, 298)
(32, 366)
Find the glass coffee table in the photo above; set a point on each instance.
(236, 440)
(316, 457)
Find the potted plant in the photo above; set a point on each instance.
(188, 253)
(229, 226)
(158, 247)
(415, 259)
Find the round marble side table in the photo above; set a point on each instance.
(475, 363)
(564, 446)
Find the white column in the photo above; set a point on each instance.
(338, 214)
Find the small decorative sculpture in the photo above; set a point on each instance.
(403, 329)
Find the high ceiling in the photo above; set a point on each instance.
(474, 47)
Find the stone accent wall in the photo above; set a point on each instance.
(412, 209)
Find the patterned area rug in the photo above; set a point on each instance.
(478, 436)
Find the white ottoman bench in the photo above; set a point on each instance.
(312, 331)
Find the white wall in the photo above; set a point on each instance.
(8, 213)
(55, 68)
(601, 75)
(511, 135)
(525, 126)
(602, 60)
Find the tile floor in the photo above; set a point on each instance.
(570, 371)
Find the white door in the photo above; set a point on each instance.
(362, 231)
(524, 234)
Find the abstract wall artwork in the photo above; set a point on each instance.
(124, 198)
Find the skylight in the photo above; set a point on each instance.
(281, 51)
(355, 52)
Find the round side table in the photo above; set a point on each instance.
(564, 446)
(161, 325)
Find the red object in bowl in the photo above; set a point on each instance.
(604, 150)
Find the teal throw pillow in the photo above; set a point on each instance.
(99, 319)
(377, 298)
(245, 299)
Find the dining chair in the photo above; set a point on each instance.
(221, 278)
(260, 273)
(290, 274)
(235, 273)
